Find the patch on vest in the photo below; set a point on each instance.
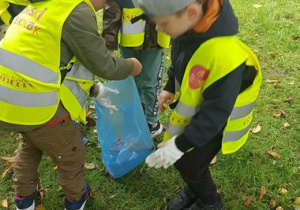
(197, 75)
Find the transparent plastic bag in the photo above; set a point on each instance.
(123, 135)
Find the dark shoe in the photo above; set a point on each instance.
(78, 205)
(198, 205)
(155, 129)
(185, 198)
(25, 203)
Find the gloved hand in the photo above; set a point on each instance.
(103, 99)
(166, 154)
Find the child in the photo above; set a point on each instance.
(138, 39)
(214, 81)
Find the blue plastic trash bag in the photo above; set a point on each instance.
(123, 135)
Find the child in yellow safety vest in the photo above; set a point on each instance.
(214, 81)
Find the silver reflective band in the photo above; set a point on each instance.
(185, 110)
(27, 67)
(243, 111)
(27, 99)
(235, 135)
(136, 28)
(80, 95)
(174, 130)
(80, 72)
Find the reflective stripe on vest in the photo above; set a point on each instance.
(32, 71)
(132, 35)
(77, 83)
(228, 53)
(27, 67)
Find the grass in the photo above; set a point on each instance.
(272, 31)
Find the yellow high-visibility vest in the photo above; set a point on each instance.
(4, 4)
(30, 80)
(213, 60)
(133, 34)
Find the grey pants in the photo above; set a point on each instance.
(149, 82)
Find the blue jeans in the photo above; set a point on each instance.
(149, 82)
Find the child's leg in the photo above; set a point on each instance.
(194, 169)
(25, 167)
(63, 143)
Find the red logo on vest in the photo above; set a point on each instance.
(197, 75)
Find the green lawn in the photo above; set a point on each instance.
(272, 29)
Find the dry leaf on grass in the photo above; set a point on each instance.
(272, 203)
(89, 166)
(8, 159)
(7, 171)
(256, 129)
(297, 202)
(286, 125)
(256, 6)
(279, 208)
(214, 160)
(262, 192)
(4, 203)
(248, 201)
(282, 191)
(273, 153)
(40, 207)
(280, 113)
(288, 100)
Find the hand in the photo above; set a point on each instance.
(137, 67)
(103, 99)
(164, 98)
(166, 154)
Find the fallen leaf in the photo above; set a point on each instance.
(297, 202)
(40, 207)
(55, 168)
(272, 203)
(4, 203)
(291, 83)
(286, 125)
(279, 208)
(272, 81)
(112, 196)
(41, 193)
(262, 192)
(275, 52)
(19, 137)
(6, 172)
(95, 131)
(248, 201)
(256, 6)
(89, 166)
(256, 129)
(280, 113)
(282, 191)
(273, 153)
(289, 100)
(214, 160)
(8, 159)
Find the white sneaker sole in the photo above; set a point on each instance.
(158, 132)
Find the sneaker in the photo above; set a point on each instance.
(25, 203)
(78, 205)
(198, 205)
(155, 129)
(185, 198)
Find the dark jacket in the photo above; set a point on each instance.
(112, 22)
(219, 98)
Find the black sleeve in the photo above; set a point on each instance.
(217, 105)
(170, 85)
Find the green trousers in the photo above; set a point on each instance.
(149, 82)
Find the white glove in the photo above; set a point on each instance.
(166, 154)
(103, 99)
